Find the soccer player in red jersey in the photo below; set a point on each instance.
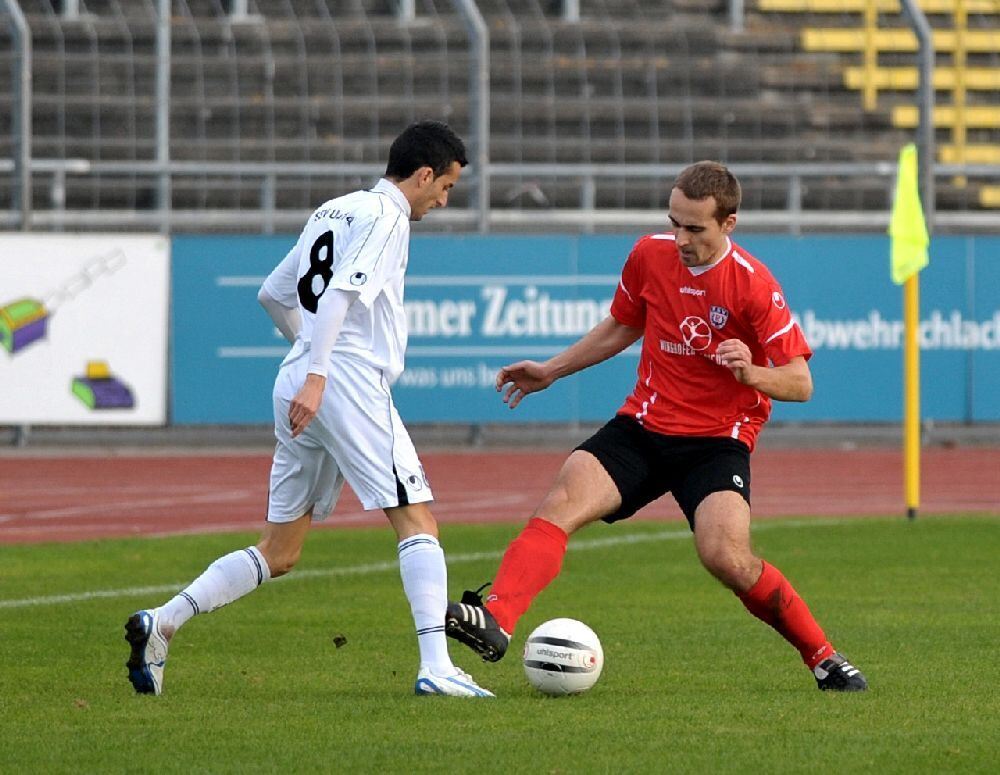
(719, 344)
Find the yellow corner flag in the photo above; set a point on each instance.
(907, 228)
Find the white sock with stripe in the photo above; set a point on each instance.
(227, 579)
(425, 582)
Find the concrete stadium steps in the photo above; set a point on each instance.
(633, 81)
(217, 64)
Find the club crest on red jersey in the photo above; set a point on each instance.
(718, 316)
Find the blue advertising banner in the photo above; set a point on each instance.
(475, 303)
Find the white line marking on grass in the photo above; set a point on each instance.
(381, 567)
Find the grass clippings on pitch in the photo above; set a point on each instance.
(315, 673)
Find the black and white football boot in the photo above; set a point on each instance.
(470, 623)
(836, 674)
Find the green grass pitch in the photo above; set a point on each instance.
(691, 682)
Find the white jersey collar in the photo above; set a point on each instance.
(391, 190)
(697, 270)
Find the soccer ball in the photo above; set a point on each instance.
(563, 656)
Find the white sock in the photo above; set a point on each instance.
(425, 582)
(225, 580)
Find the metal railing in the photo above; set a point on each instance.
(20, 113)
(584, 203)
(794, 179)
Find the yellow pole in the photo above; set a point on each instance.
(911, 394)
(959, 132)
(870, 88)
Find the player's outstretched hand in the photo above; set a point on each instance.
(306, 403)
(519, 379)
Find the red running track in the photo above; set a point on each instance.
(72, 498)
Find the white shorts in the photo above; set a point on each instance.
(356, 436)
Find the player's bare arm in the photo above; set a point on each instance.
(607, 338)
(789, 382)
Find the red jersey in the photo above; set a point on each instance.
(683, 389)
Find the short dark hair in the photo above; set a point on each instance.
(709, 178)
(425, 144)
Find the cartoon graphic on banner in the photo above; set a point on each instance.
(99, 389)
(69, 300)
(26, 320)
(21, 323)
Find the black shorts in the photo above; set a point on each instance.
(645, 465)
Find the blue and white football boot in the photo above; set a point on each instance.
(149, 651)
(457, 684)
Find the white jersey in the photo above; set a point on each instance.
(359, 242)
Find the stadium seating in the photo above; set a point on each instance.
(966, 75)
(314, 82)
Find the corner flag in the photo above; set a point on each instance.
(907, 228)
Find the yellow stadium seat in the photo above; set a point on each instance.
(975, 116)
(884, 6)
(973, 154)
(848, 40)
(908, 78)
(989, 196)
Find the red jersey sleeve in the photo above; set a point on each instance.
(628, 307)
(779, 334)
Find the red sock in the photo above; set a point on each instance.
(531, 561)
(775, 602)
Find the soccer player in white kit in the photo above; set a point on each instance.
(338, 296)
